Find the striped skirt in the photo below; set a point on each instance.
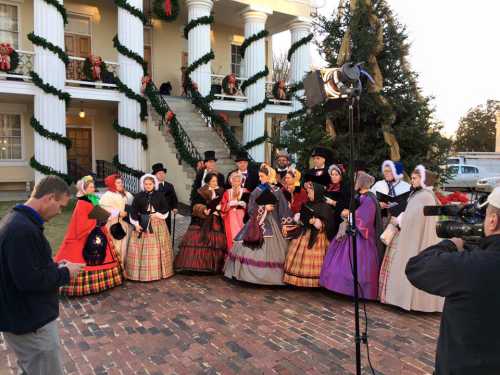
(92, 282)
(385, 267)
(150, 256)
(303, 265)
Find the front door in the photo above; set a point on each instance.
(79, 46)
(81, 147)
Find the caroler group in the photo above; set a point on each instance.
(261, 225)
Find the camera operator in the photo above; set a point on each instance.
(469, 339)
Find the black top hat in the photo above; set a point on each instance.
(241, 156)
(323, 152)
(266, 197)
(210, 155)
(158, 167)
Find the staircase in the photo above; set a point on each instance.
(203, 137)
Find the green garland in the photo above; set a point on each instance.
(299, 43)
(60, 8)
(292, 89)
(123, 168)
(253, 79)
(132, 10)
(159, 10)
(250, 40)
(201, 61)
(130, 54)
(40, 129)
(42, 42)
(257, 141)
(255, 108)
(297, 113)
(205, 20)
(49, 89)
(131, 134)
(152, 95)
(87, 69)
(46, 170)
(14, 61)
(129, 93)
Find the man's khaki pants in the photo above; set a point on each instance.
(38, 352)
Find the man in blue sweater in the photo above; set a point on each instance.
(29, 279)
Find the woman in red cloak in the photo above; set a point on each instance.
(93, 278)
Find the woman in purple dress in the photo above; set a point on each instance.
(336, 274)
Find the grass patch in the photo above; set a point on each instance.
(54, 229)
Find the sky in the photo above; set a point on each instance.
(455, 49)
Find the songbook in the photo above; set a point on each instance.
(334, 195)
(99, 213)
(397, 204)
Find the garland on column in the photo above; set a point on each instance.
(129, 93)
(49, 89)
(131, 54)
(132, 10)
(131, 134)
(257, 141)
(124, 169)
(260, 35)
(299, 43)
(201, 61)
(205, 20)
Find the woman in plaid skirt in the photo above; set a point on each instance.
(149, 255)
(306, 253)
(93, 278)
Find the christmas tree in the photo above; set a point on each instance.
(395, 118)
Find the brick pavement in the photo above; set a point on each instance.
(207, 325)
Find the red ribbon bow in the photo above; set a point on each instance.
(168, 8)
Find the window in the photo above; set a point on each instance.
(77, 24)
(10, 137)
(469, 170)
(453, 170)
(9, 25)
(235, 60)
(453, 161)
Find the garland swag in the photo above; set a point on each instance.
(42, 42)
(124, 169)
(255, 108)
(132, 10)
(250, 40)
(299, 43)
(253, 79)
(205, 20)
(257, 141)
(49, 89)
(40, 129)
(129, 93)
(130, 54)
(60, 8)
(49, 171)
(202, 60)
(166, 10)
(131, 134)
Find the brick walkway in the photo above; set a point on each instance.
(206, 325)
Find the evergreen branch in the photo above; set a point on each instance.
(299, 43)
(122, 49)
(46, 170)
(49, 89)
(253, 79)
(205, 20)
(131, 134)
(124, 169)
(60, 8)
(297, 113)
(129, 93)
(42, 42)
(255, 108)
(132, 10)
(201, 61)
(256, 142)
(251, 39)
(40, 129)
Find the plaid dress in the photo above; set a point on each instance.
(150, 257)
(303, 265)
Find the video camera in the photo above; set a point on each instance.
(466, 221)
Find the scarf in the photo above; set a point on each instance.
(93, 198)
(333, 187)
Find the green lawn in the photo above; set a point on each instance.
(55, 229)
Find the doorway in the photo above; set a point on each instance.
(80, 151)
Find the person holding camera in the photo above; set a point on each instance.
(469, 339)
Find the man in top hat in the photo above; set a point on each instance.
(250, 176)
(321, 157)
(168, 191)
(210, 167)
(282, 162)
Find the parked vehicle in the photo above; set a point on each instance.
(488, 161)
(464, 177)
(486, 185)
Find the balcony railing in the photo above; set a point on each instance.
(270, 95)
(21, 73)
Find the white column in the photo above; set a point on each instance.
(255, 61)
(300, 63)
(49, 109)
(130, 34)
(497, 116)
(199, 44)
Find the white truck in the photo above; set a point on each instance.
(473, 171)
(489, 162)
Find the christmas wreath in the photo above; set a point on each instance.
(230, 84)
(9, 59)
(94, 68)
(280, 91)
(166, 10)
